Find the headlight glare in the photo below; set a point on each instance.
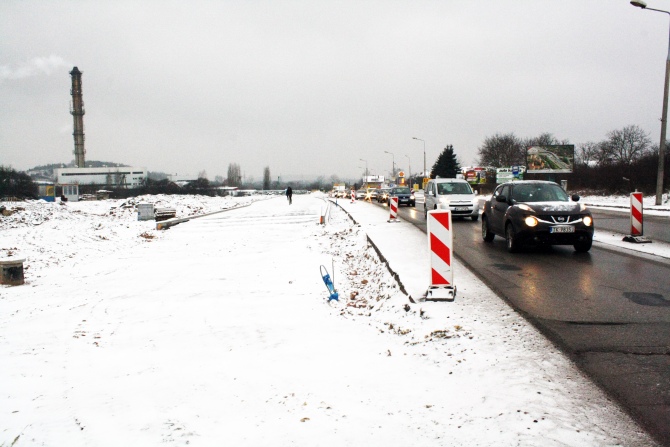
(531, 221)
(588, 221)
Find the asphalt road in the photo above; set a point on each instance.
(608, 310)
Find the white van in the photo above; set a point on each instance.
(451, 193)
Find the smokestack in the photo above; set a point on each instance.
(77, 111)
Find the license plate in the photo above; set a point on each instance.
(562, 229)
(461, 208)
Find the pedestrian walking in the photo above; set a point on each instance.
(289, 195)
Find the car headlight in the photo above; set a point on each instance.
(588, 221)
(531, 221)
(411, 197)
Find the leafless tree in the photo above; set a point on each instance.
(266, 178)
(502, 150)
(234, 175)
(202, 174)
(588, 153)
(626, 145)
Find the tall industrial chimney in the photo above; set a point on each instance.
(77, 111)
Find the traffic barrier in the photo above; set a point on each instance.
(636, 214)
(393, 209)
(353, 196)
(441, 243)
(636, 220)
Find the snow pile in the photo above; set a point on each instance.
(219, 331)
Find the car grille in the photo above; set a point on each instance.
(559, 219)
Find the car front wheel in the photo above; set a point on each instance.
(512, 243)
(583, 246)
(487, 235)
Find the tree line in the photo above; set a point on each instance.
(622, 162)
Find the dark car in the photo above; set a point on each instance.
(404, 194)
(383, 195)
(533, 212)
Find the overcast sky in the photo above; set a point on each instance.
(310, 87)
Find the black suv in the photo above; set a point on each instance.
(404, 194)
(536, 213)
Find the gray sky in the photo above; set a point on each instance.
(310, 87)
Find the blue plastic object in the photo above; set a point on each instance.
(329, 285)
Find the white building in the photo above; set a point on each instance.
(123, 176)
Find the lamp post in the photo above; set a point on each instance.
(393, 159)
(664, 115)
(366, 169)
(409, 171)
(424, 154)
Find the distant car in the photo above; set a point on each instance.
(404, 195)
(530, 212)
(360, 194)
(383, 195)
(372, 194)
(453, 194)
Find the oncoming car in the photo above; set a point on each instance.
(533, 212)
(404, 194)
(383, 195)
(452, 194)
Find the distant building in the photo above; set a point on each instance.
(123, 176)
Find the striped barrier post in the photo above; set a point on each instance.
(353, 196)
(636, 214)
(636, 220)
(393, 209)
(441, 244)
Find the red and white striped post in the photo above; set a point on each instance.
(636, 220)
(441, 244)
(636, 214)
(353, 196)
(393, 209)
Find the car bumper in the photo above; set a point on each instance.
(544, 237)
(462, 210)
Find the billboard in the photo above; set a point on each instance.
(509, 174)
(550, 159)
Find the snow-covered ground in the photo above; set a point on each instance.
(219, 332)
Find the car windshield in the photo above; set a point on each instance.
(402, 190)
(453, 188)
(539, 192)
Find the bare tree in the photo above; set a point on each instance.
(588, 153)
(234, 175)
(626, 145)
(266, 178)
(544, 139)
(502, 150)
(202, 174)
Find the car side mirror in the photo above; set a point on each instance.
(575, 197)
(501, 199)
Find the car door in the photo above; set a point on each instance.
(498, 209)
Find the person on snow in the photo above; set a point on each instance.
(289, 195)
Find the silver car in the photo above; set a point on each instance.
(454, 194)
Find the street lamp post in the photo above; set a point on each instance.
(393, 159)
(424, 154)
(664, 115)
(409, 163)
(366, 169)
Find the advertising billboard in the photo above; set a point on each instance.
(550, 159)
(509, 174)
